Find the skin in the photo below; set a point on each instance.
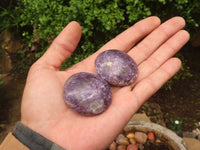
(43, 108)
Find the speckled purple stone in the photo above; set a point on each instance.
(116, 67)
(87, 93)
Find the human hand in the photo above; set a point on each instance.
(43, 107)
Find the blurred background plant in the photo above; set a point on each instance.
(8, 15)
(40, 21)
(176, 124)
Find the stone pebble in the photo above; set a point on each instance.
(140, 137)
(132, 147)
(133, 141)
(122, 140)
(121, 147)
(130, 135)
(151, 136)
(113, 146)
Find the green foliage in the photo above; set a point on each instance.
(101, 20)
(7, 15)
(176, 124)
(51, 17)
(137, 10)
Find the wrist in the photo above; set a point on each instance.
(32, 139)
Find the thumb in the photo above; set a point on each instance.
(63, 46)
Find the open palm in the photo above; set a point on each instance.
(43, 107)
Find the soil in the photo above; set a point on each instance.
(181, 103)
(10, 102)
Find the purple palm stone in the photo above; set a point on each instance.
(87, 93)
(116, 67)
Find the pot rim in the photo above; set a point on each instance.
(167, 135)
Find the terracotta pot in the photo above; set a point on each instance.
(167, 136)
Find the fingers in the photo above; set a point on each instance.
(126, 102)
(132, 35)
(164, 52)
(154, 40)
(125, 40)
(63, 46)
(149, 85)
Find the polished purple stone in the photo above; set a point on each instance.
(116, 67)
(87, 93)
